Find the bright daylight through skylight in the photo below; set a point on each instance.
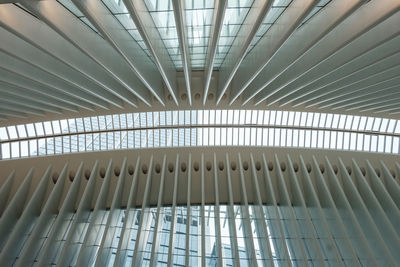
(186, 128)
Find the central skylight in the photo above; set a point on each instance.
(199, 15)
(186, 128)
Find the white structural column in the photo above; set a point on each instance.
(306, 227)
(292, 231)
(129, 222)
(341, 235)
(358, 66)
(78, 228)
(391, 185)
(90, 43)
(144, 222)
(17, 99)
(14, 209)
(180, 21)
(319, 220)
(231, 216)
(155, 245)
(364, 43)
(188, 212)
(301, 41)
(147, 29)
(54, 242)
(269, 44)
(22, 50)
(37, 93)
(259, 219)
(97, 222)
(202, 251)
(20, 108)
(331, 43)
(44, 223)
(215, 32)
(367, 224)
(245, 218)
(351, 224)
(218, 243)
(383, 196)
(25, 71)
(46, 39)
(19, 81)
(172, 235)
(240, 45)
(5, 192)
(112, 220)
(382, 222)
(25, 223)
(281, 246)
(135, 57)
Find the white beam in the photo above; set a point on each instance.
(18, 108)
(180, 21)
(352, 226)
(188, 211)
(363, 44)
(364, 61)
(319, 220)
(79, 224)
(54, 240)
(245, 217)
(296, 245)
(231, 216)
(96, 227)
(135, 57)
(144, 222)
(367, 224)
(37, 238)
(16, 79)
(147, 29)
(331, 213)
(172, 231)
(332, 43)
(26, 70)
(19, 233)
(300, 42)
(155, 245)
(37, 94)
(215, 32)
(5, 191)
(89, 43)
(14, 209)
(129, 222)
(265, 49)
(240, 45)
(30, 103)
(32, 30)
(23, 51)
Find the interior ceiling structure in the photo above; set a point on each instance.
(68, 56)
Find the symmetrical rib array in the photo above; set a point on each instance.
(59, 56)
(171, 210)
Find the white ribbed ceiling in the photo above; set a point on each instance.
(58, 57)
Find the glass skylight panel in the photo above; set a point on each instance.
(198, 20)
(278, 7)
(239, 127)
(235, 15)
(320, 5)
(163, 17)
(120, 12)
(68, 4)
